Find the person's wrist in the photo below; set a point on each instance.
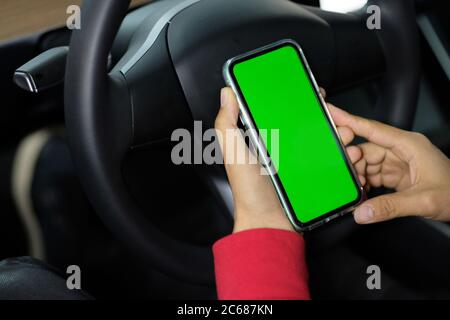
(267, 220)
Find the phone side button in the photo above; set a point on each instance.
(317, 224)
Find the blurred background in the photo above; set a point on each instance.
(22, 17)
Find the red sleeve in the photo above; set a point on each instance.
(261, 264)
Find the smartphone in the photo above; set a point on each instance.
(314, 177)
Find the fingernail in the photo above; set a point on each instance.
(364, 214)
(224, 97)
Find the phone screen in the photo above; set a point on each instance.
(312, 168)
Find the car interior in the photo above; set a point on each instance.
(86, 176)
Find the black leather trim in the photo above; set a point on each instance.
(25, 278)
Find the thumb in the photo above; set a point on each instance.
(230, 138)
(232, 143)
(387, 207)
(228, 115)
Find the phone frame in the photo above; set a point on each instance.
(248, 122)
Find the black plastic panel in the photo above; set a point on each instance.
(158, 103)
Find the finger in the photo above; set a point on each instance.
(373, 169)
(373, 153)
(362, 180)
(323, 93)
(239, 161)
(354, 153)
(230, 139)
(360, 166)
(381, 170)
(346, 135)
(229, 110)
(373, 156)
(386, 207)
(371, 130)
(375, 180)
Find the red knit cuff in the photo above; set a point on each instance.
(261, 264)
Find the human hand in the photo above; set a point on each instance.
(401, 160)
(256, 202)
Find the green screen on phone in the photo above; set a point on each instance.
(312, 168)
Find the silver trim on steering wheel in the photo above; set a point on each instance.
(154, 33)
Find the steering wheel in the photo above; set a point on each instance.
(169, 74)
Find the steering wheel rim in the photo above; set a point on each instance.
(99, 125)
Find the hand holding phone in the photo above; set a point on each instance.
(404, 161)
(314, 179)
(256, 202)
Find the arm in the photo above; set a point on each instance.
(262, 264)
(264, 257)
